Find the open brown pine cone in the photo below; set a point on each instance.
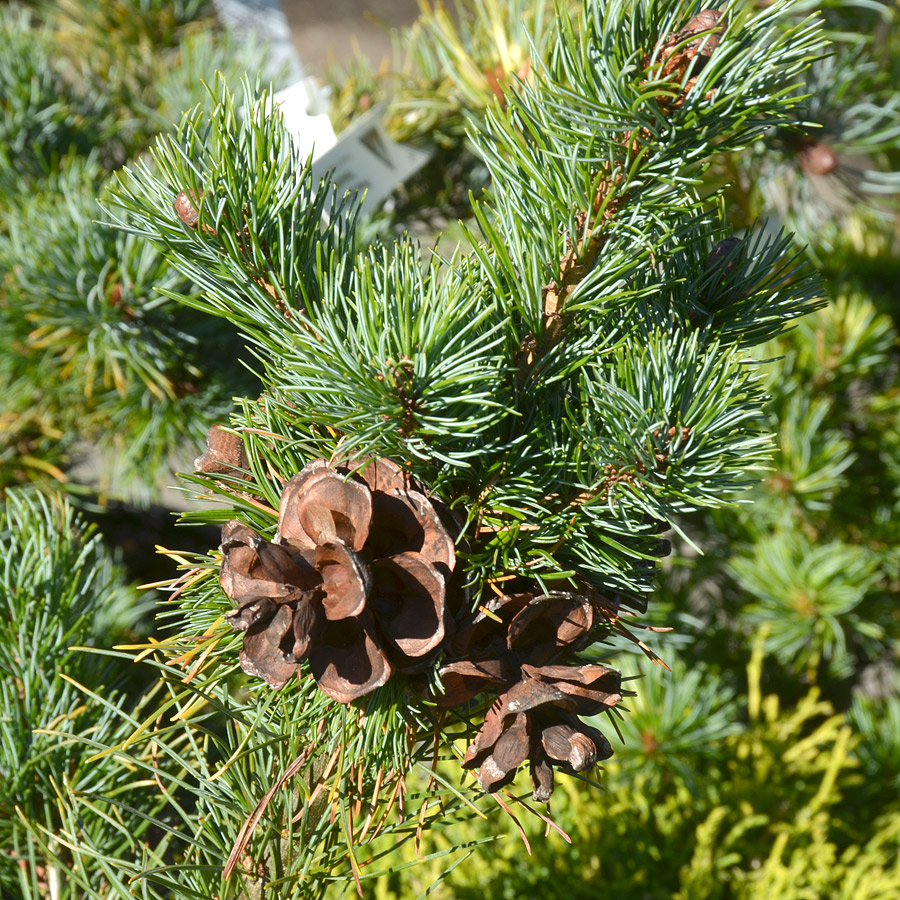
(511, 648)
(537, 719)
(355, 580)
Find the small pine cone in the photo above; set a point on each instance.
(817, 158)
(363, 562)
(674, 55)
(224, 455)
(510, 646)
(186, 208)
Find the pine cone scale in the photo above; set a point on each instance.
(253, 568)
(410, 600)
(346, 580)
(464, 680)
(549, 624)
(263, 654)
(346, 661)
(319, 505)
(511, 748)
(541, 776)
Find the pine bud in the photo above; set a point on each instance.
(225, 454)
(185, 208)
(704, 21)
(817, 159)
(723, 256)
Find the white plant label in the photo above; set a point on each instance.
(305, 118)
(366, 159)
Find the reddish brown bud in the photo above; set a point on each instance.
(676, 52)
(186, 209)
(818, 159)
(706, 20)
(224, 455)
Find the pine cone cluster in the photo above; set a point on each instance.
(511, 647)
(355, 580)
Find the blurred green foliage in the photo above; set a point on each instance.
(60, 592)
(96, 362)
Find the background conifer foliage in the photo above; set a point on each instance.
(646, 382)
